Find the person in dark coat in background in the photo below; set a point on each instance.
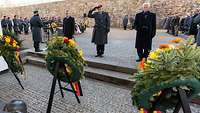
(21, 23)
(4, 24)
(131, 20)
(10, 25)
(187, 23)
(16, 25)
(26, 25)
(101, 29)
(68, 26)
(125, 22)
(197, 21)
(193, 27)
(182, 24)
(36, 25)
(167, 24)
(176, 25)
(145, 25)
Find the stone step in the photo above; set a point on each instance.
(109, 76)
(94, 64)
(118, 78)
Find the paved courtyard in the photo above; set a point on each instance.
(120, 49)
(99, 97)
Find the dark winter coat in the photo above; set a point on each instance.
(145, 25)
(36, 25)
(101, 27)
(68, 27)
(193, 27)
(125, 21)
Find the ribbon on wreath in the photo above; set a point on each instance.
(76, 88)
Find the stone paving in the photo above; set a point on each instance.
(99, 97)
(120, 49)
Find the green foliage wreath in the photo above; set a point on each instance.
(168, 68)
(9, 49)
(64, 50)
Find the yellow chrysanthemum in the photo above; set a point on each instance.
(14, 45)
(7, 40)
(149, 61)
(153, 55)
(17, 56)
(14, 41)
(72, 42)
(81, 53)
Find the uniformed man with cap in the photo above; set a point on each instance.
(36, 25)
(101, 29)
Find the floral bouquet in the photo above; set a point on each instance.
(9, 49)
(67, 51)
(168, 68)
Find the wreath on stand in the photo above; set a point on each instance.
(166, 69)
(62, 49)
(10, 50)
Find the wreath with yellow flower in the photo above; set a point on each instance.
(9, 49)
(166, 69)
(67, 51)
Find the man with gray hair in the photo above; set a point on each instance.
(145, 25)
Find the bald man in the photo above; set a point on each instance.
(145, 25)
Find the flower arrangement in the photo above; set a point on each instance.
(9, 49)
(67, 51)
(169, 67)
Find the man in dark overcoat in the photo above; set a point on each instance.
(68, 26)
(145, 25)
(10, 25)
(125, 22)
(36, 25)
(26, 25)
(4, 24)
(16, 24)
(101, 29)
(193, 27)
(21, 27)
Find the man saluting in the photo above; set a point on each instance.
(145, 25)
(101, 29)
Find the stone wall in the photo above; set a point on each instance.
(116, 8)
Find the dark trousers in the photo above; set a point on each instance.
(143, 53)
(100, 49)
(36, 45)
(125, 27)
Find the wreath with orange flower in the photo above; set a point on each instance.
(166, 69)
(67, 51)
(9, 49)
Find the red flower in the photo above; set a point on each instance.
(66, 40)
(142, 64)
(11, 41)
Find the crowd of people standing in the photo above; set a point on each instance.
(18, 25)
(188, 25)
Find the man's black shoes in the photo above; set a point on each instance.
(38, 50)
(99, 56)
